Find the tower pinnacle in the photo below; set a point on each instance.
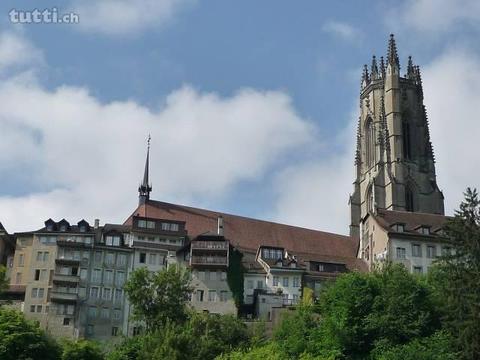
(145, 188)
(392, 56)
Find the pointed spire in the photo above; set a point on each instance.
(428, 143)
(145, 188)
(418, 80)
(382, 67)
(365, 76)
(410, 69)
(392, 56)
(374, 69)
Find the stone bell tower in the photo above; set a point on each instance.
(394, 160)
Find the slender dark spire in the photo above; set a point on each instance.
(365, 76)
(382, 67)
(145, 188)
(374, 69)
(418, 81)
(358, 159)
(392, 56)
(410, 69)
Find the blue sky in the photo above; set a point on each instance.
(251, 104)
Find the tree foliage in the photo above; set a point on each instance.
(456, 277)
(81, 350)
(3, 279)
(158, 297)
(21, 339)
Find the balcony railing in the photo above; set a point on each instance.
(67, 260)
(210, 245)
(57, 296)
(209, 260)
(66, 278)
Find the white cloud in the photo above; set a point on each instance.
(452, 93)
(88, 156)
(342, 30)
(17, 52)
(435, 16)
(126, 17)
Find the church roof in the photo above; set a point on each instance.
(412, 220)
(247, 234)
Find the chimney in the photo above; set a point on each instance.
(96, 224)
(220, 225)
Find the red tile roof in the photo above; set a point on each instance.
(248, 234)
(412, 220)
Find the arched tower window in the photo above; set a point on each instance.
(370, 142)
(408, 199)
(407, 146)
(370, 199)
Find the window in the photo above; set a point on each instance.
(114, 331)
(41, 292)
(66, 321)
(98, 256)
(212, 295)
(107, 294)
(223, 296)
(43, 274)
(39, 308)
(417, 270)
(321, 267)
(120, 279)
(259, 284)
(406, 140)
(21, 259)
(90, 329)
(296, 282)
(399, 228)
(118, 295)
(108, 278)
(275, 281)
(83, 274)
(97, 275)
(39, 256)
(121, 260)
(37, 275)
(112, 240)
(285, 281)
(34, 292)
(425, 230)
(143, 258)
(431, 251)
(370, 143)
(249, 284)
(32, 308)
(152, 259)
(409, 200)
(416, 250)
(401, 253)
(166, 226)
(199, 295)
(109, 258)
(173, 227)
(371, 199)
(105, 313)
(117, 314)
(92, 312)
(94, 292)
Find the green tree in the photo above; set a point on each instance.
(456, 277)
(3, 279)
(21, 339)
(129, 349)
(158, 297)
(81, 350)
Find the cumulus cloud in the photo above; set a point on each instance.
(342, 30)
(126, 17)
(452, 92)
(435, 16)
(17, 52)
(87, 156)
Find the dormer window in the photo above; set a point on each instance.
(63, 227)
(272, 254)
(425, 230)
(398, 228)
(49, 227)
(112, 240)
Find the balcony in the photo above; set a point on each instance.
(210, 245)
(60, 278)
(219, 261)
(67, 260)
(63, 297)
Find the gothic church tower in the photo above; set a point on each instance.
(395, 164)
